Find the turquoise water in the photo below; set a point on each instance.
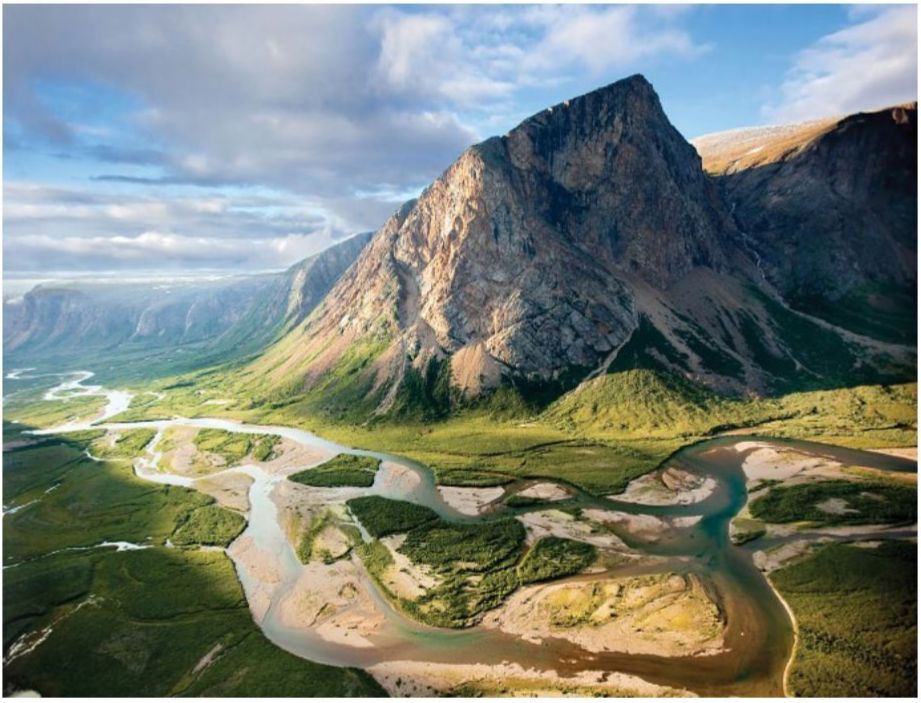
(758, 638)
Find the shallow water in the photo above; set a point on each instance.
(758, 640)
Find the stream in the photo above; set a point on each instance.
(758, 641)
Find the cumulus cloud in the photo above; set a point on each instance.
(342, 111)
(164, 251)
(474, 57)
(609, 38)
(279, 96)
(56, 228)
(870, 64)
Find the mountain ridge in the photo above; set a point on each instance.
(588, 235)
(199, 323)
(852, 179)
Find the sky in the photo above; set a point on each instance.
(157, 139)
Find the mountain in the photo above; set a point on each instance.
(588, 239)
(830, 210)
(173, 326)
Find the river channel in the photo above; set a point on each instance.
(759, 636)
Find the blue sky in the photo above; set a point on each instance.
(206, 138)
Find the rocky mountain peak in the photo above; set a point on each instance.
(577, 141)
(517, 260)
(586, 239)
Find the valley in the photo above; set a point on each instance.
(601, 412)
(357, 597)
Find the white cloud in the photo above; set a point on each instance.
(469, 55)
(59, 228)
(340, 109)
(611, 38)
(165, 250)
(870, 64)
(407, 41)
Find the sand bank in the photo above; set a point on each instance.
(411, 678)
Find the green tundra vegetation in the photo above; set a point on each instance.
(233, 447)
(265, 447)
(473, 478)
(857, 612)
(341, 470)
(475, 565)
(384, 516)
(844, 503)
(124, 445)
(80, 502)
(318, 523)
(518, 501)
(877, 310)
(145, 622)
(447, 547)
(32, 411)
(154, 622)
(555, 557)
(209, 525)
(617, 427)
(308, 548)
(598, 436)
(747, 530)
(130, 443)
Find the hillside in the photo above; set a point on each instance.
(169, 327)
(588, 240)
(829, 209)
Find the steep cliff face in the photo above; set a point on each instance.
(203, 321)
(311, 279)
(830, 210)
(589, 238)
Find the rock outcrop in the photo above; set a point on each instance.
(830, 210)
(588, 238)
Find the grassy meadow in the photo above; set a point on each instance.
(857, 611)
(342, 470)
(155, 621)
(598, 436)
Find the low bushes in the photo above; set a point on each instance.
(555, 557)
(343, 470)
(383, 516)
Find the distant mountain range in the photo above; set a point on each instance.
(130, 330)
(590, 239)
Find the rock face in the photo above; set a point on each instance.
(588, 238)
(205, 320)
(311, 279)
(830, 210)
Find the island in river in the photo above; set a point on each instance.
(687, 582)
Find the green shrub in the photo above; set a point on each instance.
(517, 501)
(857, 611)
(265, 446)
(132, 443)
(476, 478)
(479, 547)
(211, 525)
(232, 446)
(873, 502)
(343, 470)
(383, 516)
(305, 546)
(555, 557)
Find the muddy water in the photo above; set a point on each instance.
(759, 636)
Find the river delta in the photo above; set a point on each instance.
(677, 599)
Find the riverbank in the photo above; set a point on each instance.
(278, 594)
